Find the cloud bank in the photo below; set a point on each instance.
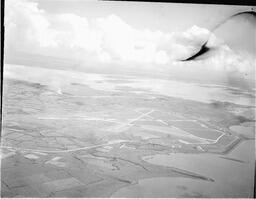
(112, 40)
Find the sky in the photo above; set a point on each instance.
(148, 35)
(166, 17)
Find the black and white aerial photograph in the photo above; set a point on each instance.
(128, 99)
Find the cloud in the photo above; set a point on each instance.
(111, 39)
(25, 23)
(75, 32)
(108, 38)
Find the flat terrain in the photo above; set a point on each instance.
(83, 140)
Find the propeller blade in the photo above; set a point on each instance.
(204, 48)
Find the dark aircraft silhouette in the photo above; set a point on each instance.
(204, 48)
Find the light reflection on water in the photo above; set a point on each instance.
(231, 178)
(193, 91)
(57, 79)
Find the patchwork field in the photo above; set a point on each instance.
(82, 140)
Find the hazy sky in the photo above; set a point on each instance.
(147, 34)
(166, 17)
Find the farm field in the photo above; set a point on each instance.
(106, 136)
